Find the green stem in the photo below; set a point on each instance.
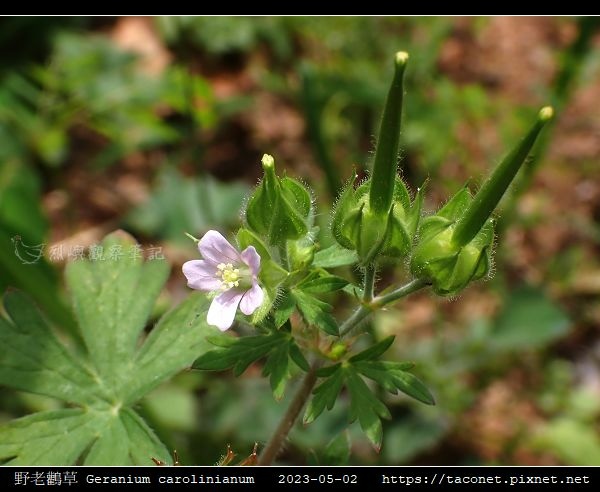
(359, 314)
(369, 283)
(399, 293)
(364, 310)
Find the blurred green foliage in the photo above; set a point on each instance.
(187, 204)
(89, 82)
(102, 375)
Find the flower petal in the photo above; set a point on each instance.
(222, 309)
(252, 299)
(251, 258)
(201, 275)
(216, 249)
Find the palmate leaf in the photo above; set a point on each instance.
(365, 406)
(112, 301)
(315, 312)
(279, 348)
(325, 395)
(32, 359)
(393, 376)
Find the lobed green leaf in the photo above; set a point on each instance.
(374, 351)
(315, 312)
(322, 284)
(113, 299)
(366, 407)
(335, 256)
(324, 395)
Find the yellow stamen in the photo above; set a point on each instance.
(229, 275)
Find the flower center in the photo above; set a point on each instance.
(230, 276)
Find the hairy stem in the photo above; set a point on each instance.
(289, 418)
(399, 293)
(369, 283)
(360, 313)
(283, 256)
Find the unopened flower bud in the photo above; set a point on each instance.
(300, 253)
(280, 208)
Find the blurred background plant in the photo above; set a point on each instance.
(157, 125)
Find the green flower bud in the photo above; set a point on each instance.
(455, 245)
(301, 253)
(337, 351)
(280, 208)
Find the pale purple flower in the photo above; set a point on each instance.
(230, 273)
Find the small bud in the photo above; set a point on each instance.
(337, 351)
(300, 253)
(268, 161)
(280, 209)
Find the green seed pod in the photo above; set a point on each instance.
(498, 182)
(385, 166)
(355, 226)
(402, 222)
(451, 267)
(280, 208)
(377, 218)
(455, 245)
